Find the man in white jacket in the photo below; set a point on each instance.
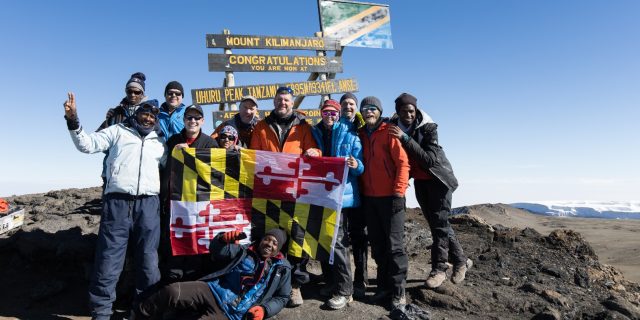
(130, 209)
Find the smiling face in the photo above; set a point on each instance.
(329, 117)
(283, 105)
(226, 141)
(371, 114)
(248, 110)
(349, 108)
(193, 122)
(146, 119)
(173, 98)
(407, 114)
(268, 246)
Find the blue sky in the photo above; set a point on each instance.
(536, 99)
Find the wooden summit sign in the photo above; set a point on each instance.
(268, 91)
(271, 42)
(273, 63)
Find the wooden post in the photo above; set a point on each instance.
(229, 79)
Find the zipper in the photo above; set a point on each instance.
(140, 167)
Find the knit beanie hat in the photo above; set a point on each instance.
(230, 131)
(136, 81)
(174, 85)
(331, 104)
(349, 95)
(279, 234)
(406, 98)
(373, 101)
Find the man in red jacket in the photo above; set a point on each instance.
(384, 183)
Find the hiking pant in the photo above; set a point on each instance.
(193, 297)
(357, 237)
(124, 219)
(385, 223)
(435, 202)
(340, 272)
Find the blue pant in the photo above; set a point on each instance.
(124, 219)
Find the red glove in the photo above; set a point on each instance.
(255, 313)
(231, 236)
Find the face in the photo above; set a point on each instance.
(173, 97)
(248, 111)
(146, 119)
(370, 114)
(329, 117)
(407, 114)
(283, 103)
(193, 121)
(134, 95)
(349, 108)
(268, 246)
(226, 141)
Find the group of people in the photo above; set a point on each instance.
(257, 281)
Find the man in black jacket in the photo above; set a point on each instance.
(434, 184)
(182, 268)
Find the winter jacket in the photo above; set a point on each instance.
(171, 123)
(344, 143)
(244, 130)
(386, 163)
(427, 156)
(297, 140)
(133, 163)
(272, 293)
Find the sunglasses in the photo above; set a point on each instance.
(134, 92)
(173, 93)
(226, 137)
(196, 118)
(285, 90)
(329, 113)
(368, 108)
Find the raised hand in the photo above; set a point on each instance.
(70, 106)
(231, 236)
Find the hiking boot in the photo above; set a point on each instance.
(379, 296)
(296, 298)
(338, 302)
(398, 302)
(328, 290)
(359, 292)
(460, 272)
(435, 279)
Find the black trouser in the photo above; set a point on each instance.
(435, 202)
(357, 237)
(194, 298)
(385, 223)
(340, 272)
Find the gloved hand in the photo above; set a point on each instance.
(231, 236)
(255, 313)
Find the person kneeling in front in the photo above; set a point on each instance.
(252, 282)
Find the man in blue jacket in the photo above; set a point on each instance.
(251, 283)
(130, 208)
(172, 110)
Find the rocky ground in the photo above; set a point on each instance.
(517, 273)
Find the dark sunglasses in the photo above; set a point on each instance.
(134, 92)
(368, 108)
(173, 93)
(329, 113)
(226, 137)
(197, 118)
(284, 90)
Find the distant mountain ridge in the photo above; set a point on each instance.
(583, 209)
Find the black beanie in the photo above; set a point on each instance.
(136, 81)
(406, 98)
(279, 234)
(174, 85)
(349, 95)
(371, 101)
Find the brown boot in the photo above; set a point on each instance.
(460, 272)
(296, 298)
(435, 279)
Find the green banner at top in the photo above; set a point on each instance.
(356, 24)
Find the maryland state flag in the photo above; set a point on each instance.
(215, 190)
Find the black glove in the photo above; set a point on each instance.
(72, 123)
(398, 204)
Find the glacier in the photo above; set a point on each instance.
(583, 209)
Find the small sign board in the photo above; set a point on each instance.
(312, 115)
(232, 41)
(273, 63)
(268, 91)
(11, 221)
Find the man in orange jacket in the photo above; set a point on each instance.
(384, 183)
(284, 130)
